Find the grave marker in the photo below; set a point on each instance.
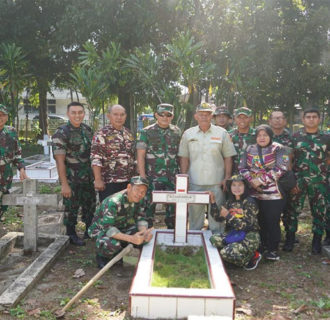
(30, 200)
(182, 198)
(48, 150)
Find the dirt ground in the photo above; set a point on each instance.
(296, 287)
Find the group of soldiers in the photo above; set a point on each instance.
(109, 160)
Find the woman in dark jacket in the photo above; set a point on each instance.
(262, 165)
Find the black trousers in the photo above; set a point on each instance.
(111, 188)
(269, 222)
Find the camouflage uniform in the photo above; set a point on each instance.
(115, 215)
(75, 144)
(312, 172)
(241, 141)
(161, 147)
(242, 216)
(114, 151)
(10, 155)
(285, 139)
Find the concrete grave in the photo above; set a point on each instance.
(30, 200)
(171, 303)
(14, 246)
(43, 170)
(10, 297)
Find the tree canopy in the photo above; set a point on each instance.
(257, 53)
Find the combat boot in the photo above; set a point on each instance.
(290, 238)
(101, 261)
(74, 239)
(316, 244)
(326, 241)
(86, 235)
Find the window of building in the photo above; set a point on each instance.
(51, 104)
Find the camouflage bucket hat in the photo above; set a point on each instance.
(138, 180)
(165, 107)
(246, 111)
(204, 107)
(3, 109)
(222, 110)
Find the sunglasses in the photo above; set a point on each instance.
(168, 115)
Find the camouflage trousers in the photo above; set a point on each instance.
(318, 196)
(165, 185)
(83, 195)
(108, 247)
(237, 253)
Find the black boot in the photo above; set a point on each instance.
(86, 235)
(326, 241)
(101, 261)
(290, 238)
(316, 244)
(74, 239)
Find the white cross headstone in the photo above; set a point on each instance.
(44, 143)
(30, 200)
(48, 150)
(182, 198)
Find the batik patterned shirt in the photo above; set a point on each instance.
(114, 151)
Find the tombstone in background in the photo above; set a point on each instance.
(48, 150)
(45, 171)
(30, 200)
(182, 198)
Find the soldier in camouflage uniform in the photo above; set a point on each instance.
(120, 220)
(10, 155)
(113, 151)
(311, 166)
(222, 117)
(71, 147)
(243, 135)
(157, 158)
(240, 213)
(277, 122)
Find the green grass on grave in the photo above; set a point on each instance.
(180, 267)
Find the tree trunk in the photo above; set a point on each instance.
(43, 109)
(193, 102)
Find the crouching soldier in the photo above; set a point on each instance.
(120, 220)
(239, 244)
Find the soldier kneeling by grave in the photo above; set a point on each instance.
(240, 241)
(120, 220)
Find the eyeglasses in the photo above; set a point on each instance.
(168, 115)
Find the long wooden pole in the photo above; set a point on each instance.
(95, 278)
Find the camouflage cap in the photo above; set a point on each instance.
(165, 107)
(222, 110)
(237, 177)
(3, 109)
(204, 107)
(244, 110)
(138, 180)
